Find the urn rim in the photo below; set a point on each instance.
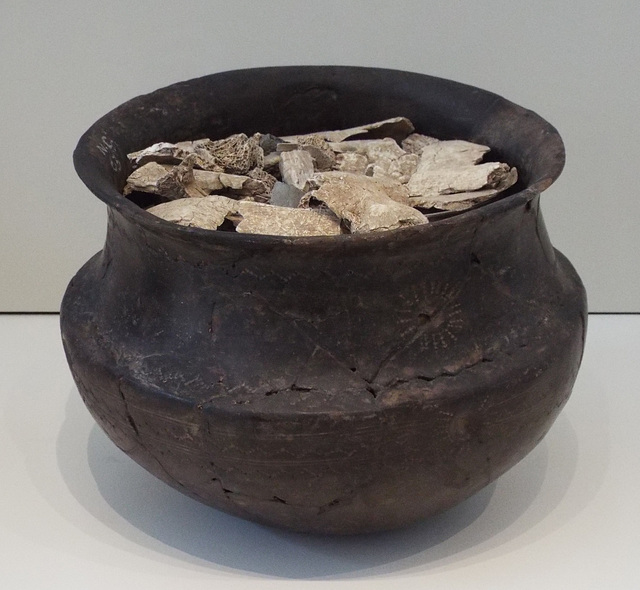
(101, 169)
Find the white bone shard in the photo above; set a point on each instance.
(296, 167)
(416, 142)
(450, 167)
(257, 218)
(171, 182)
(465, 200)
(351, 162)
(400, 169)
(206, 213)
(373, 149)
(396, 128)
(177, 182)
(170, 153)
(362, 202)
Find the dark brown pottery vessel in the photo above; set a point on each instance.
(331, 384)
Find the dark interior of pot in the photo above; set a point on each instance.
(293, 100)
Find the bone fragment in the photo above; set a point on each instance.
(351, 162)
(449, 167)
(161, 153)
(169, 153)
(263, 176)
(384, 157)
(210, 181)
(170, 182)
(206, 213)
(396, 128)
(383, 149)
(373, 149)
(178, 182)
(296, 167)
(271, 161)
(238, 184)
(323, 156)
(416, 142)
(236, 154)
(258, 218)
(285, 195)
(206, 160)
(146, 178)
(362, 202)
(287, 146)
(465, 200)
(400, 169)
(243, 185)
(365, 178)
(393, 189)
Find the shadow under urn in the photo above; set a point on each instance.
(340, 384)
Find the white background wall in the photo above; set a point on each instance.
(64, 64)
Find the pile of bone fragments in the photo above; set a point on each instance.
(376, 177)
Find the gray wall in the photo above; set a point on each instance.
(64, 64)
